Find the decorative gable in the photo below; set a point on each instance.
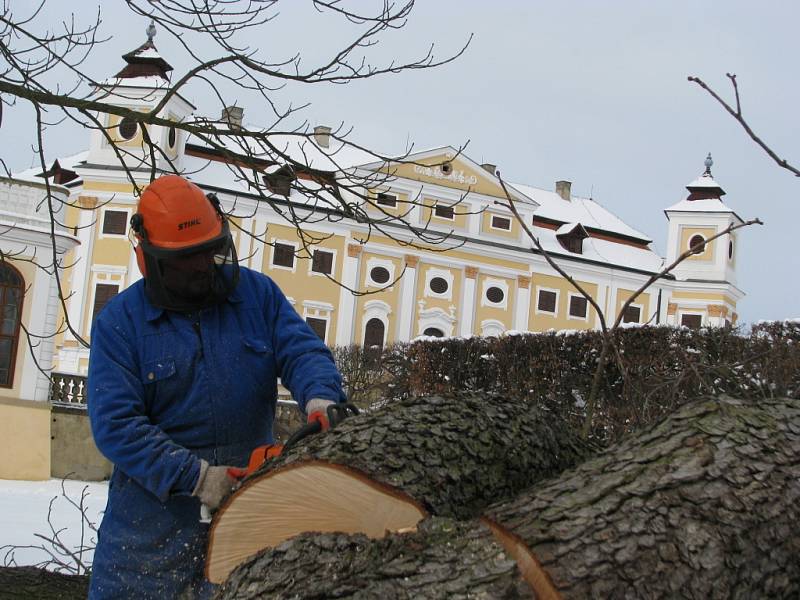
(450, 170)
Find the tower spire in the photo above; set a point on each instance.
(145, 61)
(151, 33)
(709, 163)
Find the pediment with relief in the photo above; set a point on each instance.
(442, 169)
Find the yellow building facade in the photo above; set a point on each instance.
(441, 254)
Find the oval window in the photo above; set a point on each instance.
(127, 128)
(433, 332)
(495, 294)
(172, 137)
(447, 168)
(699, 241)
(730, 250)
(380, 274)
(439, 285)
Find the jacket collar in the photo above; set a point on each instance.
(151, 312)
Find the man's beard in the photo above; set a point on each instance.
(189, 286)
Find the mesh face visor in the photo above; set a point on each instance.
(192, 278)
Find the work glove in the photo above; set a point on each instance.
(213, 484)
(328, 414)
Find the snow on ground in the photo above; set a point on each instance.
(24, 508)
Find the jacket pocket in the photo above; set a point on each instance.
(256, 345)
(158, 370)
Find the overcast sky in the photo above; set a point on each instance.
(592, 92)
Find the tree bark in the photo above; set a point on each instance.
(389, 469)
(704, 505)
(30, 583)
(444, 560)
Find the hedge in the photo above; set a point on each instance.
(656, 369)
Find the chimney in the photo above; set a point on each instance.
(233, 116)
(322, 135)
(563, 189)
(490, 168)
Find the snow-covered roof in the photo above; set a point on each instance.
(585, 211)
(603, 251)
(215, 174)
(704, 181)
(66, 162)
(148, 53)
(705, 205)
(568, 228)
(144, 81)
(300, 147)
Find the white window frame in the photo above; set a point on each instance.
(546, 312)
(705, 243)
(492, 327)
(435, 317)
(172, 149)
(387, 264)
(641, 314)
(114, 236)
(510, 222)
(491, 282)
(376, 309)
(699, 313)
(319, 310)
(272, 264)
(103, 274)
(445, 274)
(443, 205)
(572, 317)
(313, 273)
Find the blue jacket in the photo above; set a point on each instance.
(167, 389)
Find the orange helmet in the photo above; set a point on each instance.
(176, 220)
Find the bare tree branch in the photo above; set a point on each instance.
(736, 113)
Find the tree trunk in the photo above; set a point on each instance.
(445, 560)
(704, 505)
(30, 583)
(386, 470)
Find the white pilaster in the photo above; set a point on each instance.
(468, 307)
(522, 303)
(408, 287)
(602, 302)
(133, 275)
(33, 383)
(345, 323)
(80, 271)
(257, 244)
(246, 242)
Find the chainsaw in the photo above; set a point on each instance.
(318, 422)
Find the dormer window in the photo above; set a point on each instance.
(280, 182)
(571, 237)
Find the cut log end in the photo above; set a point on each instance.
(528, 564)
(274, 508)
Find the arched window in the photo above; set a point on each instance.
(433, 332)
(373, 333)
(11, 289)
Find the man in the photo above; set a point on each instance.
(183, 385)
